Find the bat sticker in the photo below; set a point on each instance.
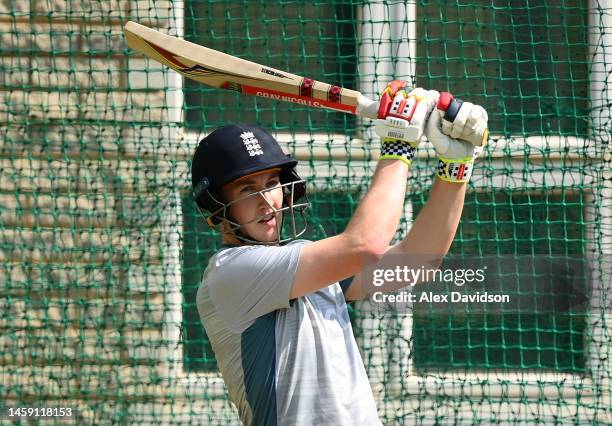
(230, 85)
(274, 73)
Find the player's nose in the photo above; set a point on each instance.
(266, 199)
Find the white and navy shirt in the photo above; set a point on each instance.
(284, 361)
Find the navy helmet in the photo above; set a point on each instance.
(235, 151)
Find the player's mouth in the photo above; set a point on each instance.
(269, 219)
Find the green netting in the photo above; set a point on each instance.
(101, 250)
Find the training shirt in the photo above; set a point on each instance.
(285, 362)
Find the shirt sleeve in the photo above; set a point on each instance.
(250, 281)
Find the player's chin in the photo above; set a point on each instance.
(269, 235)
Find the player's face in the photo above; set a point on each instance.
(256, 213)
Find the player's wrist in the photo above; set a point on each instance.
(396, 149)
(455, 171)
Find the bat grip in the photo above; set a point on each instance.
(366, 107)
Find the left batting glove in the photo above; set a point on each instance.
(456, 157)
(401, 119)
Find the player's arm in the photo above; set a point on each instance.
(428, 240)
(434, 229)
(375, 221)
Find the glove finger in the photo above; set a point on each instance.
(447, 126)
(479, 113)
(439, 140)
(418, 92)
(426, 103)
(475, 120)
(388, 94)
(420, 113)
(476, 126)
(394, 87)
(461, 119)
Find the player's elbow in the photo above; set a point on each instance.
(373, 249)
(434, 261)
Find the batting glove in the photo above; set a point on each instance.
(463, 120)
(456, 157)
(401, 119)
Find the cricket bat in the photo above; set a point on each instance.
(220, 70)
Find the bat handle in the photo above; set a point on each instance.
(366, 107)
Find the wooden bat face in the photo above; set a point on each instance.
(217, 69)
(223, 71)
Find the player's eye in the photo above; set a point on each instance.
(246, 189)
(273, 182)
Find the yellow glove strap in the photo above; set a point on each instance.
(398, 150)
(455, 171)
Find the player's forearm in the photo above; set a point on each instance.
(434, 229)
(427, 242)
(376, 219)
(365, 239)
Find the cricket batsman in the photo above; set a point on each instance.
(274, 306)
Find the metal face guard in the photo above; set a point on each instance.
(289, 209)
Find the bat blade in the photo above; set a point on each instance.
(220, 70)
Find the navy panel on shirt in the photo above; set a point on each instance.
(258, 346)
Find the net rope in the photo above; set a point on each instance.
(102, 250)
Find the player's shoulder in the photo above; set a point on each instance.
(222, 264)
(243, 253)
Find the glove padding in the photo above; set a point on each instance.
(456, 156)
(406, 113)
(447, 146)
(470, 124)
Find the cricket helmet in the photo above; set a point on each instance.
(235, 151)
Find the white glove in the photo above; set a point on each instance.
(456, 156)
(406, 115)
(463, 120)
(402, 119)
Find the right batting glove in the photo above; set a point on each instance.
(401, 119)
(463, 120)
(450, 121)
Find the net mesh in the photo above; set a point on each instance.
(102, 251)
